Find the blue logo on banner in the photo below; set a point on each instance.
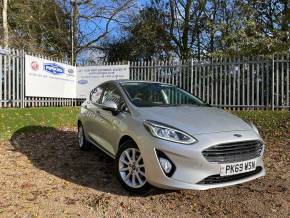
(53, 68)
(83, 81)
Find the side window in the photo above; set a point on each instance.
(112, 93)
(96, 94)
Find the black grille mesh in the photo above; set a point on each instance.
(233, 152)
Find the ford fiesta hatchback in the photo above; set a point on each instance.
(162, 136)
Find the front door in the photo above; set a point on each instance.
(108, 131)
(94, 119)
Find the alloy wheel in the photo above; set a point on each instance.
(131, 168)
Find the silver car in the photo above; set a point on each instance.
(162, 136)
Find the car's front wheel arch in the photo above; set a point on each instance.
(124, 139)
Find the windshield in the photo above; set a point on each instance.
(143, 94)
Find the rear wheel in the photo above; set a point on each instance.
(83, 143)
(130, 168)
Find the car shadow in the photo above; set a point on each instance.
(56, 152)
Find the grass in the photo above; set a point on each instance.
(32, 119)
(12, 120)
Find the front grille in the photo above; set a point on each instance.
(222, 179)
(233, 152)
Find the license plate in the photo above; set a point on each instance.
(238, 167)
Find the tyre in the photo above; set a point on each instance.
(82, 142)
(130, 169)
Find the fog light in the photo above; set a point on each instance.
(165, 164)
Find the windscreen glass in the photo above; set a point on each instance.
(143, 94)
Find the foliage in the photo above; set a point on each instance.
(216, 27)
(61, 28)
(146, 38)
(259, 28)
(38, 27)
(160, 29)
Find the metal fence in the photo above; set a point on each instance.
(234, 83)
(12, 85)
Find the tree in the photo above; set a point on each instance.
(40, 27)
(60, 28)
(92, 21)
(256, 27)
(5, 24)
(146, 38)
(185, 22)
(73, 29)
(119, 50)
(164, 28)
(229, 27)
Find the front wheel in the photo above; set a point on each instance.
(130, 169)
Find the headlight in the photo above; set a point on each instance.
(168, 133)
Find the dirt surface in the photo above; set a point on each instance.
(46, 175)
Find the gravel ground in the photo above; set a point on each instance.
(46, 175)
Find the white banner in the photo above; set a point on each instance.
(45, 78)
(88, 77)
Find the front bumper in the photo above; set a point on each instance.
(191, 166)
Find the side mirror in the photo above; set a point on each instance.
(110, 106)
